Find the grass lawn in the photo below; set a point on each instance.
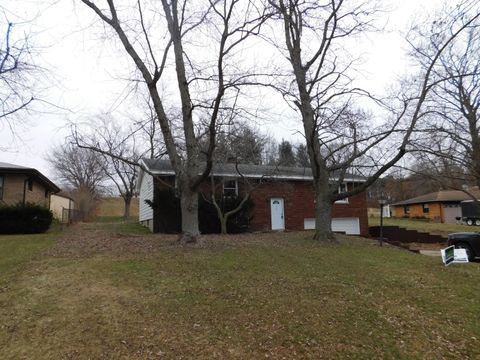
(425, 226)
(110, 291)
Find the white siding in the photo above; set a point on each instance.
(350, 226)
(146, 193)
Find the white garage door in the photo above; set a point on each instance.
(350, 226)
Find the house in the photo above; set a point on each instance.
(19, 184)
(283, 196)
(62, 205)
(442, 206)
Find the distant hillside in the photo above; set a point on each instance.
(114, 206)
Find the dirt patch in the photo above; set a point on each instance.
(81, 240)
(87, 239)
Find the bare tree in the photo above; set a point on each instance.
(337, 137)
(204, 82)
(118, 148)
(16, 69)
(219, 201)
(450, 135)
(148, 130)
(82, 171)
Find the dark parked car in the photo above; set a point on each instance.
(470, 241)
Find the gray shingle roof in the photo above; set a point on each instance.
(17, 169)
(164, 167)
(439, 196)
(4, 165)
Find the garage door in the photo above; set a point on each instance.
(451, 212)
(350, 226)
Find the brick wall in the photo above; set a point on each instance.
(299, 204)
(14, 187)
(416, 210)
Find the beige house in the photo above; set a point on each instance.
(61, 206)
(19, 184)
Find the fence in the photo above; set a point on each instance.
(70, 216)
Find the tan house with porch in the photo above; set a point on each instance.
(19, 184)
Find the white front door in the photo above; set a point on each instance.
(276, 209)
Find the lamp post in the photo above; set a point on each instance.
(382, 202)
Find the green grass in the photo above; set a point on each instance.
(16, 251)
(246, 297)
(422, 225)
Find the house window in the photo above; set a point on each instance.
(342, 189)
(425, 208)
(30, 184)
(230, 188)
(1, 186)
(406, 209)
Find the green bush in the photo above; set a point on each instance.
(24, 219)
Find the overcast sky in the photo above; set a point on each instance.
(83, 71)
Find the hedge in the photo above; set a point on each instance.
(24, 219)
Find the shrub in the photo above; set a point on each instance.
(24, 219)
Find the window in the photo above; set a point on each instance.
(425, 208)
(1, 186)
(406, 209)
(342, 189)
(30, 184)
(230, 188)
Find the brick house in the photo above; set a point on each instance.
(20, 184)
(441, 206)
(283, 196)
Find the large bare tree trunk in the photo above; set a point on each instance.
(189, 207)
(127, 202)
(323, 212)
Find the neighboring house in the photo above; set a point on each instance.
(283, 196)
(19, 184)
(62, 205)
(442, 206)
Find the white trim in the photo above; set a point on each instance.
(236, 186)
(342, 201)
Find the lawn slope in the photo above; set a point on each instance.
(110, 292)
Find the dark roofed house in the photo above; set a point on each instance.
(19, 184)
(283, 196)
(442, 206)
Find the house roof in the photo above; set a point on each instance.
(439, 196)
(7, 168)
(64, 194)
(164, 167)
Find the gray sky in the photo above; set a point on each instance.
(84, 70)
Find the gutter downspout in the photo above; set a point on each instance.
(24, 190)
